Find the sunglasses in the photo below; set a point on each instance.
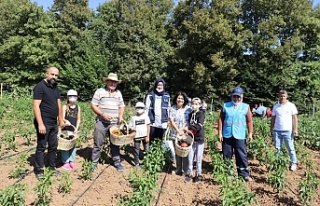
(139, 107)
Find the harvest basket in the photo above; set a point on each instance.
(184, 151)
(66, 144)
(120, 140)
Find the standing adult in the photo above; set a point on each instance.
(179, 119)
(284, 119)
(157, 105)
(47, 108)
(109, 106)
(235, 117)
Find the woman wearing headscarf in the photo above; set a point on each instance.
(157, 106)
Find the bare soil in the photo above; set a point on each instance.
(111, 185)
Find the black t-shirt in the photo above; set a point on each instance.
(72, 116)
(49, 96)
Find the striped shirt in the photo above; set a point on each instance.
(108, 103)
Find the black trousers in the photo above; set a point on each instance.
(51, 138)
(156, 133)
(239, 147)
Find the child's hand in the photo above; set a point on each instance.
(181, 132)
(147, 139)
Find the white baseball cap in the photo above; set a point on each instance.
(139, 104)
(72, 92)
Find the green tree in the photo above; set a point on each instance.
(208, 39)
(138, 42)
(275, 44)
(71, 18)
(26, 45)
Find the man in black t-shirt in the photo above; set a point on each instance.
(47, 107)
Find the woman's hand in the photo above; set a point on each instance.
(67, 123)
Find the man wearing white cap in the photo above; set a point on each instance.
(109, 106)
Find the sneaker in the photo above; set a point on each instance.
(175, 172)
(73, 165)
(137, 167)
(197, 179)
(56, 172)
(187, 179)
(39, 176)
(248, 179)
(119, 167)
(293, 167)
(67, 166)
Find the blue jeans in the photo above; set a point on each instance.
(68, 156)
(197, 149)
(288, 138)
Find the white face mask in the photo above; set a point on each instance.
(140, 111)
(195, 107)
(72, 99)
(159, 90)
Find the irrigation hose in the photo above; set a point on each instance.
(22, 177)
(78, 198)
(11, 155)
(162, 184)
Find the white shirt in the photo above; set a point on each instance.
(283, 116)
(157, 112)
(140, 124)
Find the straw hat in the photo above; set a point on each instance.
(112, 76)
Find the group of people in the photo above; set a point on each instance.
(151, 121)
(261, 111)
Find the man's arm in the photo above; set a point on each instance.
(121, 112)
(249, 124)
(60, 115)
(295, 125)
(37, 114)
(98, 112)
(273, 119)
(220, 122)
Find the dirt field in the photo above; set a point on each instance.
(111, 185)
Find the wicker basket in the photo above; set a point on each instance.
(66, 144)
(183, 151)
(123, 139)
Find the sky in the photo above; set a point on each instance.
(93, 4)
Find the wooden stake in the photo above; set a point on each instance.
(1, 90)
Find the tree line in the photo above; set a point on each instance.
(202, 47)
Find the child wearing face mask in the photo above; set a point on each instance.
(196, 127)
(141, 124)
(71, 117)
